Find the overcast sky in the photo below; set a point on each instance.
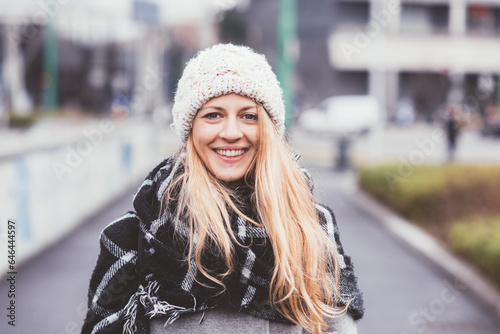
(95, 20)
(171, 11)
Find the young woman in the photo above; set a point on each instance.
(226, 236)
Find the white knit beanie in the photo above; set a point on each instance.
(224, 69)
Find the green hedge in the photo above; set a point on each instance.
(25, 121)
(479, 242)
(460, 204)
(432, 195)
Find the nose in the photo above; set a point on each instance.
(231, 130)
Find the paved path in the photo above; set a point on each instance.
(52, 288)
(403, 293)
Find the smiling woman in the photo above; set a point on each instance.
(226, 136)
(227, 230)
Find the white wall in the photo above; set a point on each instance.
(49, 192)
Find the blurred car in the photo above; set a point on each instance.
(405, 112)
(343, 116)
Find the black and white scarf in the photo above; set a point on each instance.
(142, 272)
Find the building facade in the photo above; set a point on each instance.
(429, 52)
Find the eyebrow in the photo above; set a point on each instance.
(245, 108)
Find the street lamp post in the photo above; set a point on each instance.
(50, 66)
(287, 53)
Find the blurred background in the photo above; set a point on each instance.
(398, 99)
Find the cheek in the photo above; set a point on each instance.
(204, 132)
(255, 137)
(198, 133)
(202, 136)
(197, 140)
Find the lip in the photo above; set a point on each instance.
(231, 148)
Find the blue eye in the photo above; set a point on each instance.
(212, 115)
(250, 117)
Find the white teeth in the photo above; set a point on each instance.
(230, 153)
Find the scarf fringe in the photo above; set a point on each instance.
(130, 315)
(147, 297)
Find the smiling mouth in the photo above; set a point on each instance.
(230, 153)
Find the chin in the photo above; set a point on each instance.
(230, 180)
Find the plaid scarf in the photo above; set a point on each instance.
(142, 272)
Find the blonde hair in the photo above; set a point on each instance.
(304, 284)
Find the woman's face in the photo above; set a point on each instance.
(226, 136)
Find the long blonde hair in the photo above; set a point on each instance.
(304, 284)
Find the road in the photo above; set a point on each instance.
(52, 288)
(404, 294)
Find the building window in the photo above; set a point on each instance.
(483, 20)
(345, 15)
(424, 19)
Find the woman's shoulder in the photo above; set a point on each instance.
(164, 167)
(122, 232)
(147, 200)
(125, 229)
(327, 218)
